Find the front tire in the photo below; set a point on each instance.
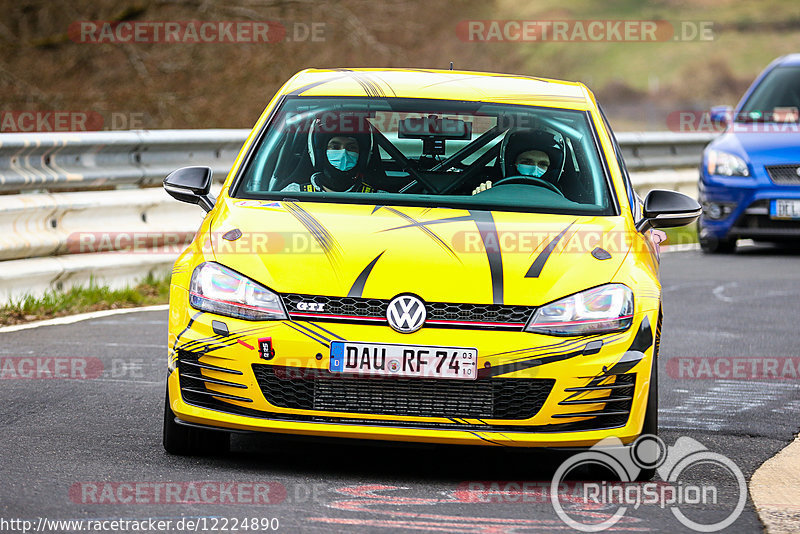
(715, 245)
(650, 425)
(182, 440)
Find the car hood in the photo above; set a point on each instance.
(439, 254)
(763, 147)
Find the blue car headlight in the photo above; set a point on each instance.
(600, 310)
(725, 164)
(220, 290)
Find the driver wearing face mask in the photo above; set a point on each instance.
(340, 162)
(537, 154)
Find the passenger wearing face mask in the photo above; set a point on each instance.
(537, 154)
(340, 161)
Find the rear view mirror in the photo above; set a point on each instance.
(667, 209)
(433, 126)
(192, 185)
(434, 132)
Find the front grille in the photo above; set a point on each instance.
(784, 174)
(615, 407)
(193, 382)
(438, 313)
(308, 389)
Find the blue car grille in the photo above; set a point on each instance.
(784, 174)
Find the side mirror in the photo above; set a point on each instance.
(722, 115)
(192, 185)
(667, 209)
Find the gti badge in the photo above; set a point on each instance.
(311, 306)
(406, 314)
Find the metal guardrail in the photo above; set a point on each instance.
(93, 160)
(662, 150)
(50, 239)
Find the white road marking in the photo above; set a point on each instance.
(712, 409)
(81, 317)
(719, 290)
(111, 344)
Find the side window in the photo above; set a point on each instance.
(633, 198)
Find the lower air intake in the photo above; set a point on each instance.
(307, 389)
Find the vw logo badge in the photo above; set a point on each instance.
(797, 171)
(406, 314)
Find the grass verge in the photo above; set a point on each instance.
(683, 235)
(150, 291)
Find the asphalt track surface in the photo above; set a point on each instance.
(63, 439)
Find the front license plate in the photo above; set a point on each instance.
(385, 359)
(784, 209)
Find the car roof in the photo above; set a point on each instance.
(440, 84)
(789, 60)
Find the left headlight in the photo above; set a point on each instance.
(725, 164)
(220, 290)
(600, 310)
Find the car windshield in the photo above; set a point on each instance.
(429, 153)
(776, 99)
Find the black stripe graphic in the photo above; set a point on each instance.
(320, 234)
(427, 231)
(358, 286)
(292, 326)
(541, 259)
(188, 326)
(307, 329)
(300, 90)
(485, 223)
(634, 354)
(459, 218)
(337, 336)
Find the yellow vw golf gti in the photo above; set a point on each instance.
(420, 256)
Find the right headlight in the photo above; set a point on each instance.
(725, 164)
(600, 310)
(217, 289)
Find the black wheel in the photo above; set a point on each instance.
(184, 440)
(716, 245)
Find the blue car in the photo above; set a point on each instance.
(750, 175)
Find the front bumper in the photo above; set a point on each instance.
(532, 390)
(750, 198)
